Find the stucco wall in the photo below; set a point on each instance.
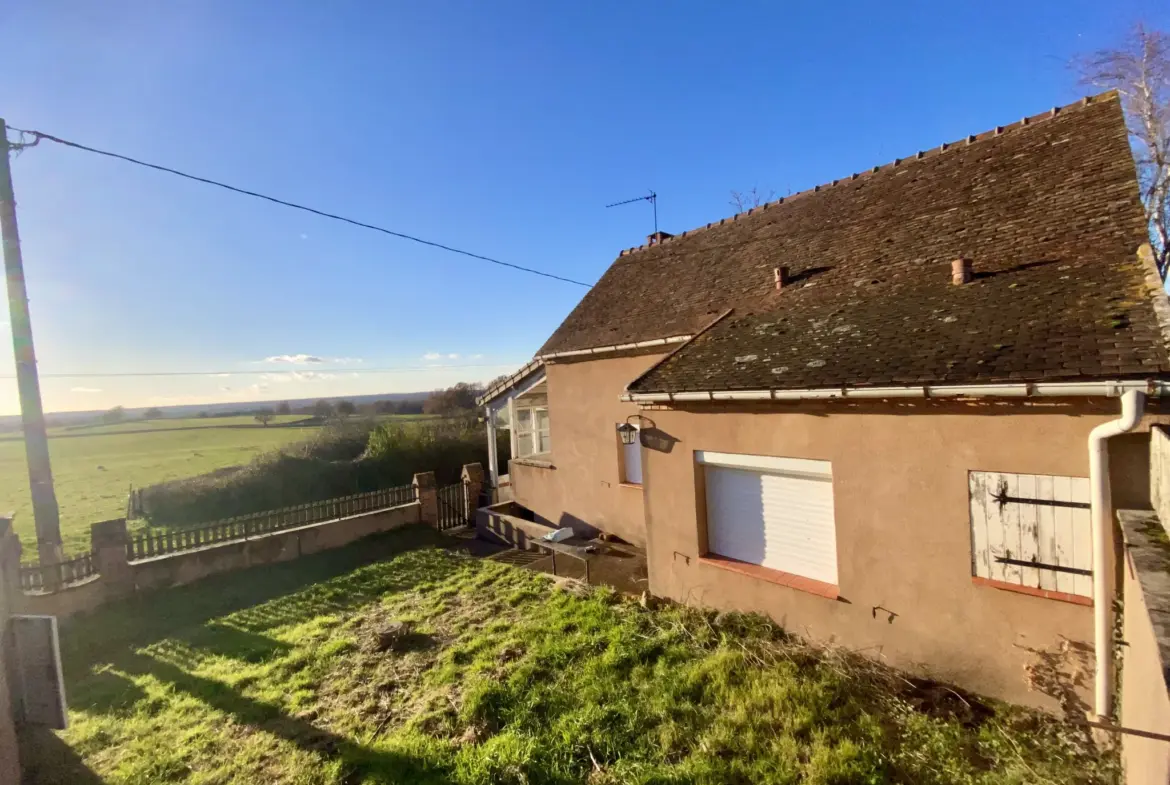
(585, 485)
(900, 493)
(1144, 700)
(177, 569)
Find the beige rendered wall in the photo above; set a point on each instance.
(1144, 701)
(584, 410)
(903, 535)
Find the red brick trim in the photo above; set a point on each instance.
(1047, 594)
(798, 582)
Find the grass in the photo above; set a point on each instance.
(94, 467)
(275, 675)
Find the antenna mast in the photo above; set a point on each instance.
(651, 197)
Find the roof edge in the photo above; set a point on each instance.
(999, 130)
(508, 383)
(617, 347)
(1157, 291)
(678, 349)
(1111, 389)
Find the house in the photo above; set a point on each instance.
(866, 409)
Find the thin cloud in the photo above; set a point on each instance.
(294, 359)
(297, 376)
(347, 360)
(85, 389)
(432, 356)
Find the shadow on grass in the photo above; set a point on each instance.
(258, 599)
(360, 763)
(168, 634)
(46, 760)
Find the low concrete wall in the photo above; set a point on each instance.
(9, 591)
(176, 569)
(1145, 699)
(498, 523)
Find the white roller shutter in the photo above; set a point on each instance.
(774, 512)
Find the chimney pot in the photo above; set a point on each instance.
(962, 272)
(657, 237)
(782, 277)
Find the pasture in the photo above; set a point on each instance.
(94, 466)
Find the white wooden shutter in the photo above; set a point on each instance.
(778, 514)
(1040, 520)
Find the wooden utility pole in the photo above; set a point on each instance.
(36, 441)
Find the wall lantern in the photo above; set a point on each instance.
(627, 432)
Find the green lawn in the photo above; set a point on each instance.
(93, 468)
(275, 675)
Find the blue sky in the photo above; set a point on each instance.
(503, 128)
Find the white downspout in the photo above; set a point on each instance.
(493, 456)
(1133, 402)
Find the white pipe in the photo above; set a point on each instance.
(493, 455)
(1132, 404)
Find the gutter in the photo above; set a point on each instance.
(619, 347)
(538, 361)
(528, 368)
(1110, 389)
(1133, 403)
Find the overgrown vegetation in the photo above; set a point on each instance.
(280, 675)
(348, 456)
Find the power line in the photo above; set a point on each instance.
(39, 135)
(309, 373)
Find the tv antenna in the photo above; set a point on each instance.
(651, 197)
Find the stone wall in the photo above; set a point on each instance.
(9, 591)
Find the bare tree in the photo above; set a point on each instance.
(264, 417)
(745, 200)
(1140, 72)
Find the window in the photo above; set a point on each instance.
(773, 512)
(1033, 531)
(524, 432)
(543, 442)
(632, 458)
(532, 431)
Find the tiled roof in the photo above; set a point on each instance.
(1047, 209)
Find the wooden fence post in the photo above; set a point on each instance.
(427, 494)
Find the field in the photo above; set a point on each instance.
(93, 467)
(287, 674)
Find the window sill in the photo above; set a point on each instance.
(798, 582)
(540, 461)
(637, 486)
(1047, 594)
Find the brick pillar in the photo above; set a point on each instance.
(108, 540)
(472, 487)
(427, 494)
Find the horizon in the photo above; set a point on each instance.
(503, 131)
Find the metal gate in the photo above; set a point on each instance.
(453, 510)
